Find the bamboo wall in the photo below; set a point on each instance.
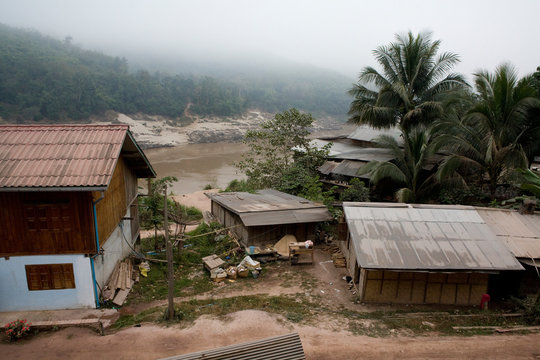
(422, 287)
(112, 208)
(39, 223)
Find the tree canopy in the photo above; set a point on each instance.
(406, 170)
(490, 140)
(280, 152)
(411, 87)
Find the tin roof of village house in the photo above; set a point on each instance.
(66, 157)
(519, 232)
(425, 237)
(271, 207)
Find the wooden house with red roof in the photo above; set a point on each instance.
(68, 213)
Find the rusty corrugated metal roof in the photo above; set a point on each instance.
(327, 167)
(354, 152)
(62, 156)
(424, 237)
(520, 232)
(368, 133)
(349, 168)
(345, 167)
(271, 207)
(281, 347)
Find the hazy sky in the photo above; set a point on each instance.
(339, 35)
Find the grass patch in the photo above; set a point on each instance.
(150, 315)
(385, 323)
(294, 308)
(189, 274)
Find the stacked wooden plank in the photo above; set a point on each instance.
(120, 282)
(337, 257)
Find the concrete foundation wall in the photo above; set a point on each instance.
(14, 293)
(116, 248)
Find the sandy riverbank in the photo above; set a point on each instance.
(152, 131)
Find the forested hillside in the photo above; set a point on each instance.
(44, 78)
(41, 77)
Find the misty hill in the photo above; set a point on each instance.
(269, 83)
(44, 78)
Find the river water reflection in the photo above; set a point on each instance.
(196, 165)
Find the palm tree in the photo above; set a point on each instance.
(411, 88)
(489, 141)
(408, 164)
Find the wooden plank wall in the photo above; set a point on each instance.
(228, 219)
(424, 288)
(130, 180)
(112, 208)
(261, 235)
(39, 223)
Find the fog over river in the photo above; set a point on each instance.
(196, 165)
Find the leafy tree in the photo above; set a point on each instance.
(238, 186)
(152, 205)
(407, 167)
(356, 192)
(280, 146)
(410, 90)
(489, 141)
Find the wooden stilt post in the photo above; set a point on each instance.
(170, 268)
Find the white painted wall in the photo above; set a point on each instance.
(14, 293)
(115, 248)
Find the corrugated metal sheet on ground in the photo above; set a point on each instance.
(283, 347)
(520, 232)
(48, 156)
(367, 133)
(424, 237)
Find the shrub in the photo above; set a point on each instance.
(17, 329)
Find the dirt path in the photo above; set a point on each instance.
(152, 342)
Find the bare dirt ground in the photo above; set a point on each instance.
(326, 337)
(152, 342)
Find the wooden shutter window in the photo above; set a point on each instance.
(50, 276)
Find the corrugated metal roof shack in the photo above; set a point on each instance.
(422, 254)
(265, 217)
(521, 235)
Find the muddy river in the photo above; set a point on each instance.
(196, 165)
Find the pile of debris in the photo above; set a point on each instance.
(218, 271)
(350, 283)
(120, 283)
(337, 256)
